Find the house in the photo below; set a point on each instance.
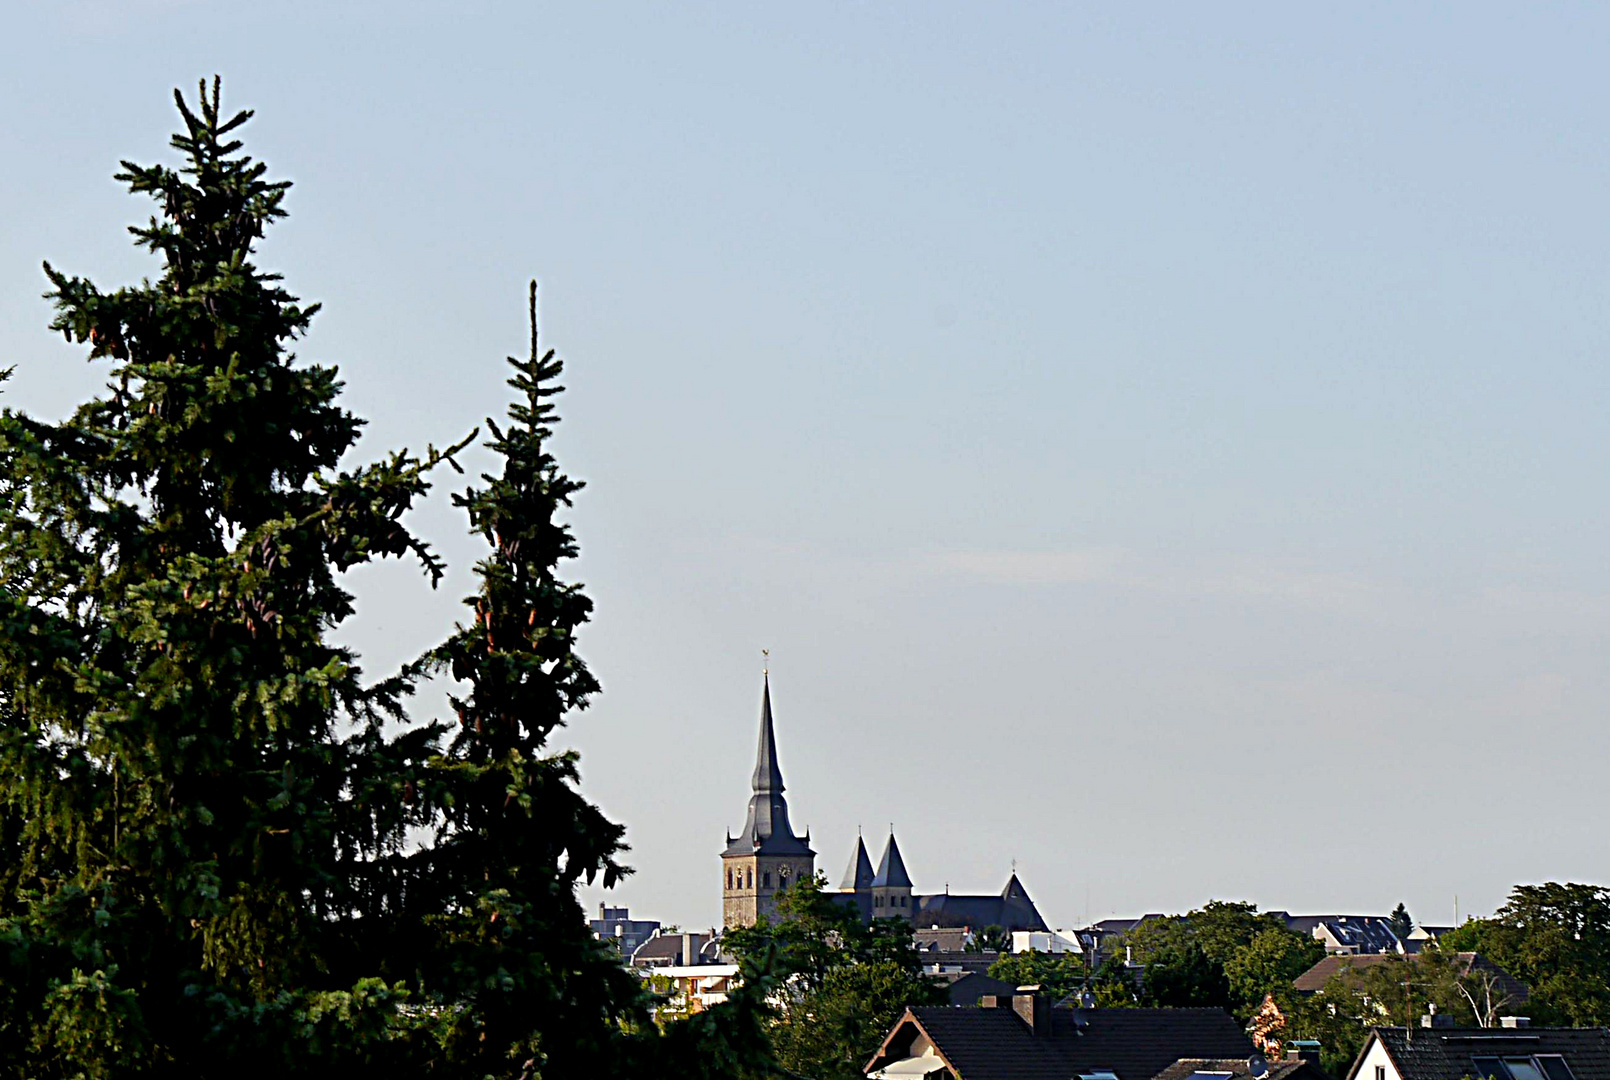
(1023, 1035)
(1360, 934)
(616, 925)
(1423, 935)
(1517, 1052)
(679, 949)
(1046, 941)
(696, 987)
(1507, 990)
(1296, 1065)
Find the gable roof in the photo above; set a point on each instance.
(1011, 909)
(997, 1044)
(1449, 1053)
(1316, 977)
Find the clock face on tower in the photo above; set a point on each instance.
(783, 872)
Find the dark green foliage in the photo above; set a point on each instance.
(1223, 954)
(1057, 974)
(992, 938)
(201, 817)
(222, 853)
(844, 983)
(1555, 938)
(1182, 975)
(1267, 965)
(1400, 922)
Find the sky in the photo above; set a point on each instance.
(1161, 445)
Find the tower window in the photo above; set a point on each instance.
(765, 879)
(750, 876)
(729, 879)
(902, 901)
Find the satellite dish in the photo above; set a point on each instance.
(1258, 1067)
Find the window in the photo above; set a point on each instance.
(877, 901)
(1554, 1067)
(749, 876)
(903, 901)
(765, 880)
(1099, 1074)
(1490, 1066)
(729, 879)
(1523, 1068)
(1380, 1072)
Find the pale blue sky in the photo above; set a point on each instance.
(1163, 444)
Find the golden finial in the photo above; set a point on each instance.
(765, 661)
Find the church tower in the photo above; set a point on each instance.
(766, 856)
(891, 885)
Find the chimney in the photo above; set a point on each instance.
(1034, 1008)
(690, 950)
(1303, 1050)
(1434, 1019)
(1515, 1021)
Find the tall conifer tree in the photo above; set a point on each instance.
(201, 817)
(539, 993)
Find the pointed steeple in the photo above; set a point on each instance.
(891, 868)
(768, 777)
(766, 831)
(859, 874)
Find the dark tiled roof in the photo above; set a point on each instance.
(1011, 910)
(1316, 977)
(668, 947)
(1241, 1069)
(1448, 1053)
(1366, 933)
(946, 939)
(967, 989)
(1136, 1044)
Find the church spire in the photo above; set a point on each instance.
(767, 831)
(768, 777)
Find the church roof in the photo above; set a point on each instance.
(891, 868)
(859, 873)
(767, 831)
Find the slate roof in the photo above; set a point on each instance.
(859, 873)
(891, 868)
(1316, 977)
(667, 949)
(1448, 1053)
(767, 831)
(941, 939)
(1240, 1068)
(1012, 909)
(997, 1044)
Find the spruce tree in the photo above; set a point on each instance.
(536, 992)
(202, 815)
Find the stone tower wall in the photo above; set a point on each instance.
(749, 884)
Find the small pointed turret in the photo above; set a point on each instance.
(859, 874)
(891, 868)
